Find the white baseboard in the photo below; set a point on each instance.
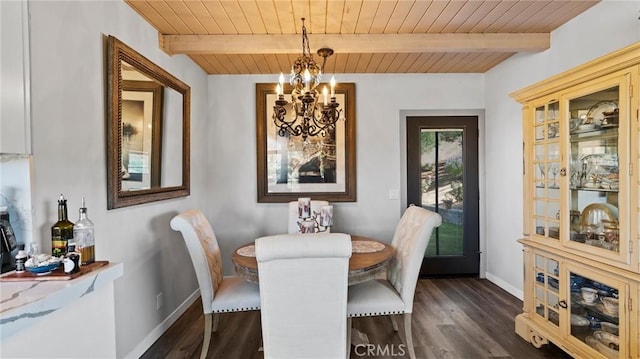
(148, 341)
(506, 286)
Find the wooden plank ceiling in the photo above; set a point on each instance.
(368, 36)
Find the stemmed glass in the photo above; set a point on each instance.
(554, 167)
(542, 170)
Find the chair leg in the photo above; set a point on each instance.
(394, 322)
(408, 336)
(207, 335)
(216, 321)
(348, 336)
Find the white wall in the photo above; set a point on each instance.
(68, 139)
(606, 27)
(379, 101)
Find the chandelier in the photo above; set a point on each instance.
(308, 117)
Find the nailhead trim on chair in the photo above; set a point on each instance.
(373, 314)
(236, 310)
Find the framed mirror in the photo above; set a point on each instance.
(147, 129)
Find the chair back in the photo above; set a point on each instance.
(204, 251)
(293, 214)
(410, 242)
(303, 294)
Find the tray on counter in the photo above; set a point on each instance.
(57, 274)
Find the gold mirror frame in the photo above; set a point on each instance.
(117, 52)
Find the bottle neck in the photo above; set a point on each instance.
(83, 214)
(62, 212)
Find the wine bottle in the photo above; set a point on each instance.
(84, 236)
(61, 231)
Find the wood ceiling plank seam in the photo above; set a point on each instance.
(203, 62)
(201, 13)
(506, 22)
(468, 65)
(569, 11)
(350, 16)
(214, 63)
(373, 64)
(455, 61)
(445, 16)
(184, 13)
(420, 62)
(221, 18)
(286, 17)
(269, 16)
(339, 63)
(515, 23)
(300, 10)
(171, 17)
(429, 66)
(154, 17)
(430, 16)
(500, 57)
(418, 9)
(262, 62)
(492, 16)
(330, 66)
(441, 62)
(334, 22)
(468, 9)
(480, 13)
(386, 61)
(366, 16)
(382, 17)
(253, 16)
(318, 17)
(247, 62)
(395, 65)
(399, 14)
(231, 64)
(488, 62)
(283, 64)
(363, 64)
(408, 62)
(351, 66)
(236, 15)
(538, 22)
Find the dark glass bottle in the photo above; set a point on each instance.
(62, 231)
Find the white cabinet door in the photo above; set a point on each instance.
(15, 112)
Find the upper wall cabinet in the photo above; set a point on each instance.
(581, 214)
(15, 112)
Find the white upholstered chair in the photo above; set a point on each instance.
(394, 295)
(293, 214)
(219, 294)
(303, 294)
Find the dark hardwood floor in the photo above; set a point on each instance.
(453, 318)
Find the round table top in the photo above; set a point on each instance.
(368, 260)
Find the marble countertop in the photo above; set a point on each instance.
(24, 303)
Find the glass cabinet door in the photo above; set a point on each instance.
(596, 305)
(593, 169)
(546, 166)
(546, 290)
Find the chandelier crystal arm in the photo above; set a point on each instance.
(307, 117)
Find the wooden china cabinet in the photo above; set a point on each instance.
(581, 208)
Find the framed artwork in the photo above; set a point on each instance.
(142, 103)
(323, 167)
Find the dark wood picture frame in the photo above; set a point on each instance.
(346, 178)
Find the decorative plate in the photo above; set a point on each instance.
(595, 114)
(43, 269)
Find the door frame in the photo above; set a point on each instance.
(482, 213)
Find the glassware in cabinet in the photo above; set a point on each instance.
(596, 306)
(546, 290)
(546, 169)
(594, 169)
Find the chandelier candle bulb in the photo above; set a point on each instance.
(333, 87)
(324, 93)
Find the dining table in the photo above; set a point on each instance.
(369, 260)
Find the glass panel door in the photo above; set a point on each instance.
(546, 170)
(546, 290)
